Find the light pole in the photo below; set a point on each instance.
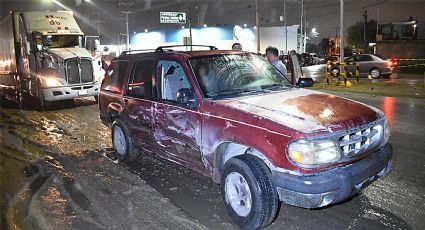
(257, 24)
(286, 29)
(341, 30)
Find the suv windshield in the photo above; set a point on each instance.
(232, 74)
(62, 41)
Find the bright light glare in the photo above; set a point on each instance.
(51, 82)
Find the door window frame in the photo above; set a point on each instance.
(158, 85)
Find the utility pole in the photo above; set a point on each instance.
(377, 25)
(98, 21)
(301, 27)
(341, 30)
(286, 29)
(126, 12)
(305, 30)
(257, 24)
(365, 29)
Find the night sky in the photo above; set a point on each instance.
(321, 14)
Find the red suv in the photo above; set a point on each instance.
(232, 116)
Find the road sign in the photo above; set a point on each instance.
(172, 17)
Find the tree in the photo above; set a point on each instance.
(355, 34)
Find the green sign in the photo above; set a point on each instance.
(172, 17)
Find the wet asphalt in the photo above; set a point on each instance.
(396, 201)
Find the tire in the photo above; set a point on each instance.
(248, 192)
(43, 105)
(122, 142)
(19, 94)
(96, 98)
(375, 73)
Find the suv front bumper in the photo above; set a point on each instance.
(329, 187)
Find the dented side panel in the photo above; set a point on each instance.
(177, 132)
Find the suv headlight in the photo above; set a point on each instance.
(313, 153)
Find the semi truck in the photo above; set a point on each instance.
(45, 53)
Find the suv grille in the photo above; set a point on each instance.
(360, 140)
(79, 70)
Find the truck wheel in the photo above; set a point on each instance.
(19, 94)
(122, 142)
(248, 192)
(375, 73)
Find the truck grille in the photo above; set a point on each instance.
(86, 70)
(79, 70)
(360, 140)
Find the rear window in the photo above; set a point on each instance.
(114, 76)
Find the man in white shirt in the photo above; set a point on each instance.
(272, 55)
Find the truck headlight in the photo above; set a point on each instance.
(52, 82)
(313, 153)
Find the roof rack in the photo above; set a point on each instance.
(137, 51)
(162, 49)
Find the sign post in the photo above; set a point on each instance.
(176, 18)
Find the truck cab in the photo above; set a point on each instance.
(52, 62)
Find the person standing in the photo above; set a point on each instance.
(272, 55)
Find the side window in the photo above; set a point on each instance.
(172, 79)
(114, 77)
(140, 83)
(368, 58)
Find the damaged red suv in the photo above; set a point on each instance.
(233, 117)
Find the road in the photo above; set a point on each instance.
(69, 151)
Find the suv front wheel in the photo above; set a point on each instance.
(248, 192)
(121, 141)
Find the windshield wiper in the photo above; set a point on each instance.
(235, 91)
(275, 87)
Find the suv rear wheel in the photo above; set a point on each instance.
(248, 192)
(121, 141)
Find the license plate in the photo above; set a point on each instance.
(82, 92)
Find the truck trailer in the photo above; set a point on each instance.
(45, 54)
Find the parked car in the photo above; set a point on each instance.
(370, 64)
(233, 117)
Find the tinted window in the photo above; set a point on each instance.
(114, 76)
(140, 84)
(364, 58)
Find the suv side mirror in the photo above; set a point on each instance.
(305, 82)
(185, 96)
